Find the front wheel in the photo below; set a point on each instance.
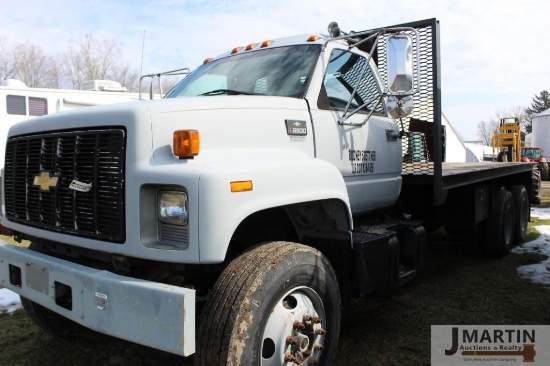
(51, 322)
(276, 304)
(48, 320)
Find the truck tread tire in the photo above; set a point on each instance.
(49, 320)
(544, 171)
(523, 210)
(255, 303)
(536, 184)
(500, 230)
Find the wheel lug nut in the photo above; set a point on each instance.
(299, 325)
(320, 331)
(320, 347)
(314, 319)
(312, 362)
(290, 358)
(291, 340)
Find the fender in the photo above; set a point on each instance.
(279, 178)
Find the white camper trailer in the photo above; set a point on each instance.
(19, 102)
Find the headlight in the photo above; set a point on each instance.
(173, 207)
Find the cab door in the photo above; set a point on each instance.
(366, 149)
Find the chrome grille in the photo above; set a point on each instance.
(95, 157)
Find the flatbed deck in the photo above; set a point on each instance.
(459, 174)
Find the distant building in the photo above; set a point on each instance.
(540, 135)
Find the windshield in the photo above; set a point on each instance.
(279, 71)
(531, 153)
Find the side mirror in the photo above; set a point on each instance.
(399, 63)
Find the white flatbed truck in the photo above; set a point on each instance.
(234, 219)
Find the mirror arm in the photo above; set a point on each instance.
(342, 120)
(362, 75)
(366, 39)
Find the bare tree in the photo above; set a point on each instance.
(93, 59)
(55, 74)
(8, 68)
(34, 68)
(127, 77)
(485, 129)
(88, 59)
(169, 82)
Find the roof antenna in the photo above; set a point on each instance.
(141, 66)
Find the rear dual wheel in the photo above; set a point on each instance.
(501, 225)
(522, 212)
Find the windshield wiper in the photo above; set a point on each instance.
(227, 91)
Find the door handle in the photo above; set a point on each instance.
(392, 135)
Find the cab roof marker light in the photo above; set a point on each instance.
(250, 46)
(236, 49)
(314, 38)
(266, 43)
(186, 143)
(207, 60)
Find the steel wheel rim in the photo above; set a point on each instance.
(294, 332)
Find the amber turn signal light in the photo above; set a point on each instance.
(187, 143)
(241, 186)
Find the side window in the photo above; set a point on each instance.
(16, 104)
(343, 73)
(38, 106)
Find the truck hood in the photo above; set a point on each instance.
(227, 124)
(120, 113)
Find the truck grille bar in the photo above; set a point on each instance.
(70, 181)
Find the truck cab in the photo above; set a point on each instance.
(321, 79)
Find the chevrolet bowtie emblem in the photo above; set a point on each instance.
(45, 181)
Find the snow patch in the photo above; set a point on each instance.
(538, 272)
(9, 301)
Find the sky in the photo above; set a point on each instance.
(494, 54)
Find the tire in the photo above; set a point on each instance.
(522, 212)
(543, 171)
(500, 230)
(48, 320)
(536, 184)
(453, 230)
(262, 299)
